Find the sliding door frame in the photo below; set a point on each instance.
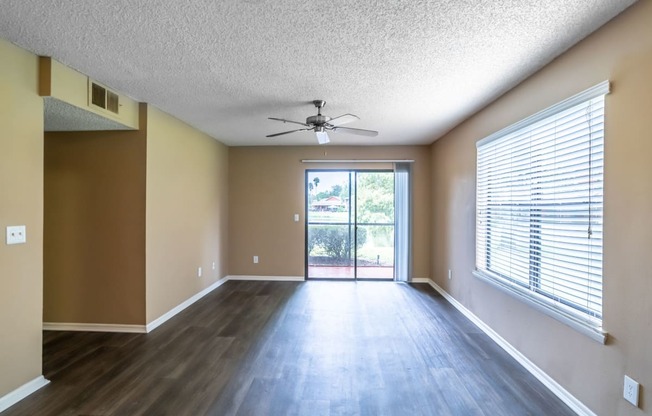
(353, 222)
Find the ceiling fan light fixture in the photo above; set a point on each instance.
(322, 136)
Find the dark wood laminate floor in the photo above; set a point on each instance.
(286, 348)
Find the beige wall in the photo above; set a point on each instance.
(94, 227)
(621, 52)
(267, 189)
(21, 203)
(187, 182)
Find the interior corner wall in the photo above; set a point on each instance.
(187, 208)
(21, 203)
(267, 187)
(94, 227)
(621, 51)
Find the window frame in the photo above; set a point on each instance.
(556, 308)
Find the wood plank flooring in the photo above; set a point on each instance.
(288, 348)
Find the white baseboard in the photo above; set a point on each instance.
(183, 305)
(268, 278)
(21, 392)
(71, 326)
(30, 387)
(172, 312)
(563, 394)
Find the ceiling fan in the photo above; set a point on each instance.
(320, 124)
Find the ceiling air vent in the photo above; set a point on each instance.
(103, 98)
(98, 95)
(112, 102)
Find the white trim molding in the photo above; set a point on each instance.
(73, 326)
(21, 392)
(172, 312)
(183, 305)
(602, 88)
(267, 278)
(563, 394)
(134, 329)
(30, 387)
(570, 318)
(143, 329)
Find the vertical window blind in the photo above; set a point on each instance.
(539, 205)
(403, 222)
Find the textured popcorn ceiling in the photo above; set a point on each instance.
(409, 69)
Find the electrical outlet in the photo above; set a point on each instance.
(198, 271)
(450, 274)
(630, 392)
(213, 265)
(255, 259)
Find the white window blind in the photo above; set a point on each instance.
(539, 205)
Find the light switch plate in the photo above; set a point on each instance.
(296, 217)
(16, 234)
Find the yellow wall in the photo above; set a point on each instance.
(622, 52)
(187, 174)
(267, 189)
(94, 227)
(21, 203)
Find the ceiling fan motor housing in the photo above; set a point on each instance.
(318, 120)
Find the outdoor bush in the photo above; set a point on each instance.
(334, 240)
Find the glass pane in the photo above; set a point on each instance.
(375, 197)
(330, 253)
(330, 229)
(375, 231)
(375, 246)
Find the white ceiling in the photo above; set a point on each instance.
(410, 69)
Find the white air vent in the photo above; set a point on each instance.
(99, 96)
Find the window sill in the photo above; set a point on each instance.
(587, 328)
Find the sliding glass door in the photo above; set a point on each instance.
(350, 224)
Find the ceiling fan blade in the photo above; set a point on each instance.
(322, 137)
(289, 121)
(359, 132)
(343, 119)
(285, 132)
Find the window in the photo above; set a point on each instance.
(539, 209)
